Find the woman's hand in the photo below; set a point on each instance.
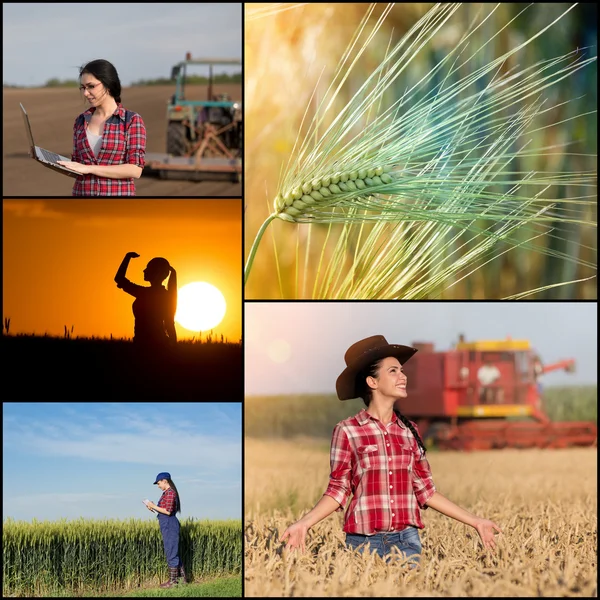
(75, 166)
(132, 255)
(296, 534)
(485, 528)
(151, 505)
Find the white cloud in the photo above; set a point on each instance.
(126, 437)
(36, 500)
(209, 482)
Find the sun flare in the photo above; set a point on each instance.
(200, 306)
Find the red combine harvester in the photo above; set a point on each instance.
(461, 399)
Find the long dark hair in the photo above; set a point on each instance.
(170, 482)
(106, 74)
(366, 393)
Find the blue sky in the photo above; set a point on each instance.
(46, 40)
(100, 460)
(298, 347)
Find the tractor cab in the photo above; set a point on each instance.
(498, 377)
(467, 397)
(211, 126)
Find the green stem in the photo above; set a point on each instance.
(255, 244)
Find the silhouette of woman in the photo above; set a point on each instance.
(154, 307)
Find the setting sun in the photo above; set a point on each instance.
(200, 306)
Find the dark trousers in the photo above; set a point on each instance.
(169, 527)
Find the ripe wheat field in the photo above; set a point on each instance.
(545, 501)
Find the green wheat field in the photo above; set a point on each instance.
(94, 557)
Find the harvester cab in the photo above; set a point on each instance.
(465, 398)
(204, 137)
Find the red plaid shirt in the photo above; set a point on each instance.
(121, 144)
(382, 466)
(168, 501)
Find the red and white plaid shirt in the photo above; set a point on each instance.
(122, 143)
(382, 466)
(168, 501)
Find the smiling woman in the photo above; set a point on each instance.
(379, 458)
(109, 142)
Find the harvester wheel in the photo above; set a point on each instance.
(176, 139)
(438, 434)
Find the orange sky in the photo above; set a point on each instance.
(60, 258)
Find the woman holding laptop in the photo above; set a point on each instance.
(109, 142)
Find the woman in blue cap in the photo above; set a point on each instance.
(166, 508)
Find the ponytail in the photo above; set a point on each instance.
(170, 481)
(414, 431)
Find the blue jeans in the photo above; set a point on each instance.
(407, 541)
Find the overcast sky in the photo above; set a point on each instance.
(143, 41)
(298, 347)
(100, 459)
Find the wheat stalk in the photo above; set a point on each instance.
(439, 163)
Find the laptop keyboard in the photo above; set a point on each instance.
(50, 156)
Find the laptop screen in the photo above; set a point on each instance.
(27, 125)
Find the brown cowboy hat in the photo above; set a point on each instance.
(363, 353)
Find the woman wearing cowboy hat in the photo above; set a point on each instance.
(378, 457)
(166, 508)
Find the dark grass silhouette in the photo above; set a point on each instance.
(48, 367)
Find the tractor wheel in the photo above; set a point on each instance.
(176, 139)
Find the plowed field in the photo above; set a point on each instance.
(52, 113)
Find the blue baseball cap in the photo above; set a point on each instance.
(162, 476)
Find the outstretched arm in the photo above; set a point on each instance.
(485, 528)
(120, 276)
(295, 534)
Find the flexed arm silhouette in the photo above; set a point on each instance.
(154, 307)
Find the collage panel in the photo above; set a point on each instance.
(361, 417)
(123, 299)
(420, 152)
(155, 113)
(122, 321)
(116, 499)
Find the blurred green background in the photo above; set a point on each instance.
(315, 415)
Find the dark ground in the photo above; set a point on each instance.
(37, 368)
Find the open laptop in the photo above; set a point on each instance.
(47, 158)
